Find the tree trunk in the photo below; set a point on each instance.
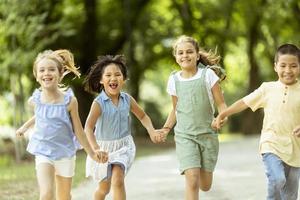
(252, 122)
(88, 46)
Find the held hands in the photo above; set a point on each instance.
(296, 131)
(100, 156)
(157, 136)
(218, 122)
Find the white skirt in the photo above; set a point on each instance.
(121, 152)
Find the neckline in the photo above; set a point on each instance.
(294, 85)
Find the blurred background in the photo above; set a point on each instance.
(245, 34)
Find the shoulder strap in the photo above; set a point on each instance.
(219, 71)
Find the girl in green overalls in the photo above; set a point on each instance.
(194, 90)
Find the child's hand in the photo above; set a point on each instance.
(214, 124)
(218, 122)
(100, 156)
(157, 136)
(21, 131)
(296, 131)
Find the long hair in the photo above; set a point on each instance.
(92, 80)
(206, 57)
(63, 58)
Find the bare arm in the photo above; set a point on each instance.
(219, 102)
(218, 97)
(171, 120)
(79, 132)
(27, 125)
(236, 107)
(145, 120)
(94, 114)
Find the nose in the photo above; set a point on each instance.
(46, 72)
(288, 69)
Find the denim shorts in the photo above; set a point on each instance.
(199, 151)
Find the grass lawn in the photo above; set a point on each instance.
(18, 181)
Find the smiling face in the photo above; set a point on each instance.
(112, 80)
(287, 68)
(47, 74)
(186, 55)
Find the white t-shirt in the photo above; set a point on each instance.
(211, 79)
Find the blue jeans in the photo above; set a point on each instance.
(283, 180)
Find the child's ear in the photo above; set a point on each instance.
(275, 69)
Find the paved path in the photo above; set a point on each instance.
(239, 175)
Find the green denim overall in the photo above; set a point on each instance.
(197, 144)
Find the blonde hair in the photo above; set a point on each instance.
(62, 57)
(206, 57)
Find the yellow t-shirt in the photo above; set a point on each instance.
(281, 105)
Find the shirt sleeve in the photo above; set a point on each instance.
(171, 90)
(256, 100)
(211, 78)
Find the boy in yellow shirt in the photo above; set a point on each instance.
(280, 135)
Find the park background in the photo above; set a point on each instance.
(244, 33)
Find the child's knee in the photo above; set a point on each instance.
(205, 187)
(193, 182)
(102, 191)
(117, 182)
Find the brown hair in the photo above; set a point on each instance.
(206, 57)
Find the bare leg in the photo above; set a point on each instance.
(196, 179)
(63, 187)
(102, 190)
(117, 182)
(205, 180)
(45, 177)
(192, 183)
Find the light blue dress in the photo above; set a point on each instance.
(113, 135)
(53, 135)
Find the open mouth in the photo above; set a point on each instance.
(47, 80)
(113, 85)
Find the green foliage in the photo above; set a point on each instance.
(144, 32)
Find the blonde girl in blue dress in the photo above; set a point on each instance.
(108, 125)
(194, 91)
(57, 126)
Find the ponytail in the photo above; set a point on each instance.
(67, 61)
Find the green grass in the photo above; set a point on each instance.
(18, 181)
